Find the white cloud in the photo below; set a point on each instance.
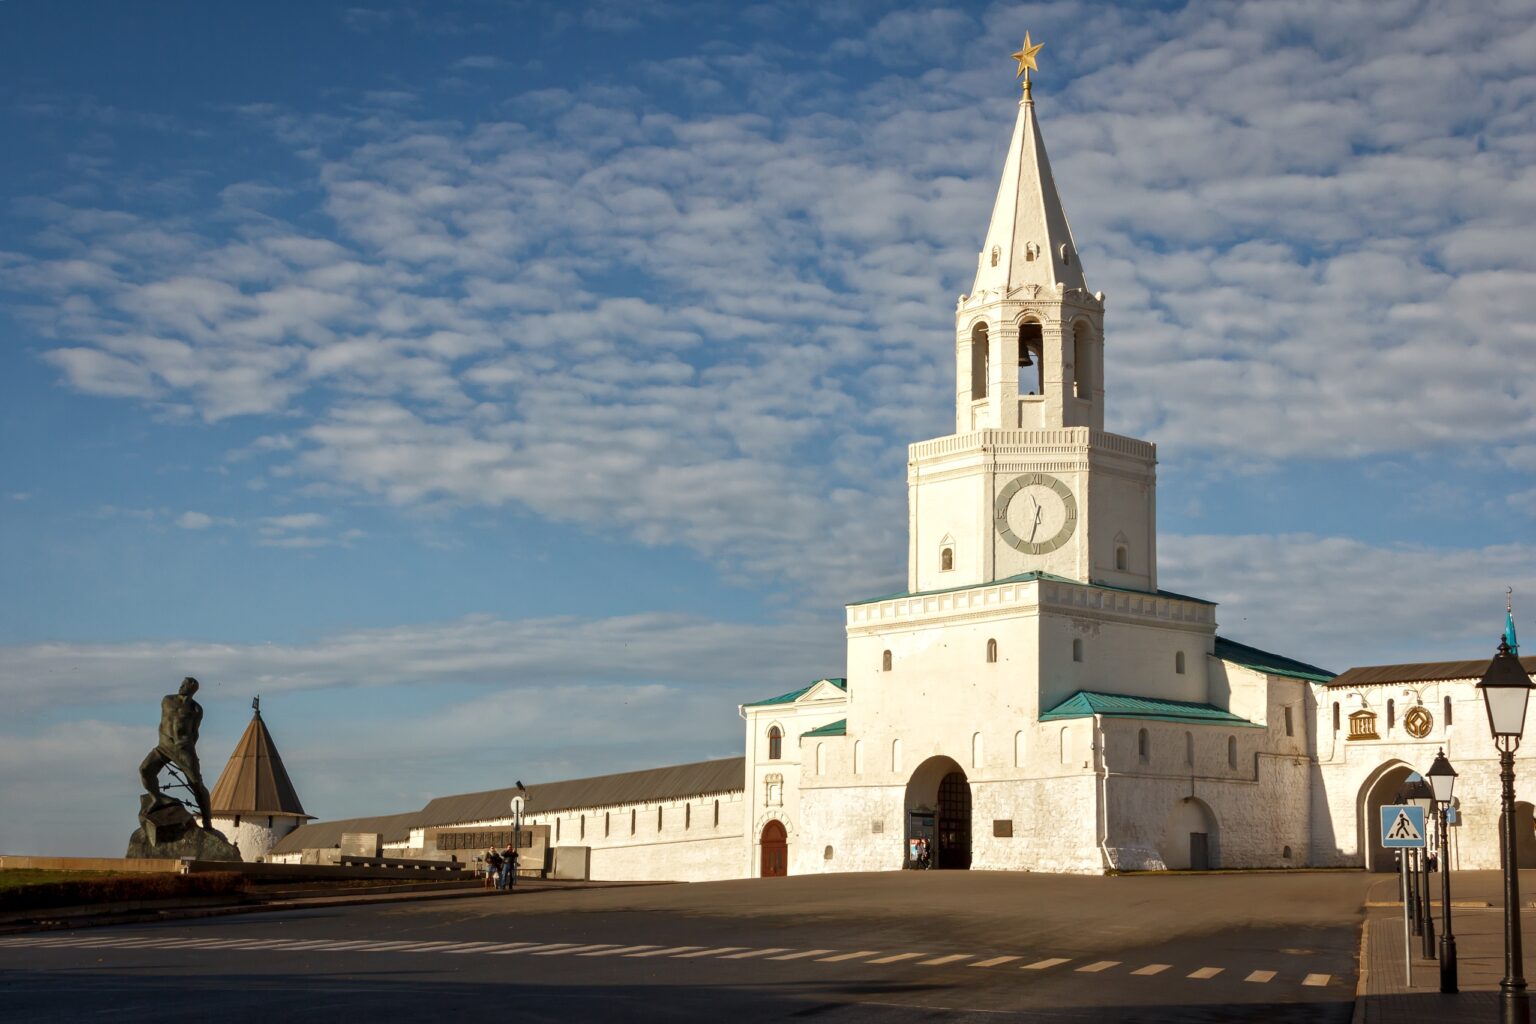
(194, 521)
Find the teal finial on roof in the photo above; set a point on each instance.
(1509, 621)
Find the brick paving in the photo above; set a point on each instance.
(1384, 994)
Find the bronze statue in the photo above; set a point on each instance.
(180, 717)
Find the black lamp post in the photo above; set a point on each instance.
(1506, 689)
(1442, 779)
(1420, 795)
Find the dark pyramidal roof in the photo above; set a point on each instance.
(255, 781)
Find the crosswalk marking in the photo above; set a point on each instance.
(749, 954)
(995, 961)
(941, 960)
(710, 952)
(534, 948)
(1205, 972)
(1097, 966)
(1316, 980)
(839, 958)
(1151, 969)
(897, 958)
(802, 954)
(617, 951)
(668, 951)
(1040, 965)
(1260, 976)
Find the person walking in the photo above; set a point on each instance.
(492, 869)
(509, 867)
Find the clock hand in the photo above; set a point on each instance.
(1039, 512)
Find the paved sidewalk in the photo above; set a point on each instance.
(1386, 997)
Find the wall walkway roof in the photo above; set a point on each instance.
(1086, 704)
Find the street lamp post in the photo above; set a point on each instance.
(1420, 795)
(1442, 779)
(1506, 690)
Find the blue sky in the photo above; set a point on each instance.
(508, 389)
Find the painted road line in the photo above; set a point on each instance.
(749, 954)
(895, 958)
(618, 951)
(1097, 966)
(847, 956)
(668, 951)
(940, 960)
(802, 954)
(711, 952)
(1260, 976)
(576, 949)
(1040, 965)
(534, 948)
(1151, 969)
(995, 961)
(1204, 973)
(1317, 980)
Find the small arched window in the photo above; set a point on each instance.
(895, 755)
(775, 743)
(1018, 749)
(1178, 662)
(1391, 714)
(1447, 711)
(977, 754)
(947, 560)
(1122, 557)
(687, 816)
(980, 357)
(1066, 254)
(997, 253)
(1189, 749)
(717, 814)
(607, 823)
(582, 834)
(1031, 250)
(885, 661)
(1336, 715)
(658, 819)
(1031, 360)
(1231, 751)
(991, 652)
(1077, 650)
(633, 814)
(1143, 745)
(858, 757)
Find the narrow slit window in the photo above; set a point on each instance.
(947, 560)
(1031, 360)
(1231, 751)
(775, 743)
(885, 661)
(1178, 662)
(1077, 650)
(1447, 711)
(980, 356)
(991, 652)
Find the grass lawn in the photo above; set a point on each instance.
(19, 878)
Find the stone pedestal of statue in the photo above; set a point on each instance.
(168, 829)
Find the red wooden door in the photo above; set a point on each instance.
(775, 851)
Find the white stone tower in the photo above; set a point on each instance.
(1029, 481)
(254, 803)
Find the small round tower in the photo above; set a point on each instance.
(254, 803)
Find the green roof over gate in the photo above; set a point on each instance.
(837, 728)
(794, 695)
(1086, 704)
(1264, 661)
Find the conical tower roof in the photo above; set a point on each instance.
(1028, 241)
(255, 781)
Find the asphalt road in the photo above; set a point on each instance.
(938, 946)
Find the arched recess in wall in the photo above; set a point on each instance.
(978, 754)
(946, 553)
(1066, 744)
(1031, 358)
(980, 361)
(1190, 836)
(896, 755)
(1018, 749)
(1084, 368)
(858, 757)
(991, 652)
(821, 759)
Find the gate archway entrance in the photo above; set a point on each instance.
(939, 799)
(1379, 789)
(775, 843)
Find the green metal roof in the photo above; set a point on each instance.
(794, 695)
(1026, 577)
(1086, 704)
(1264, 661)
(837, 728)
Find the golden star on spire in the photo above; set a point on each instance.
(1026, 57)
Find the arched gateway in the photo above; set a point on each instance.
(938, 805)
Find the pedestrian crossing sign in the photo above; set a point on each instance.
(1402, 827)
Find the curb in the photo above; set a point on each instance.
(1362, 975)
(193, 914)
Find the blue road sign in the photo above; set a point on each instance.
(1402, 827)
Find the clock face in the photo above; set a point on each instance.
(1036, 513)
